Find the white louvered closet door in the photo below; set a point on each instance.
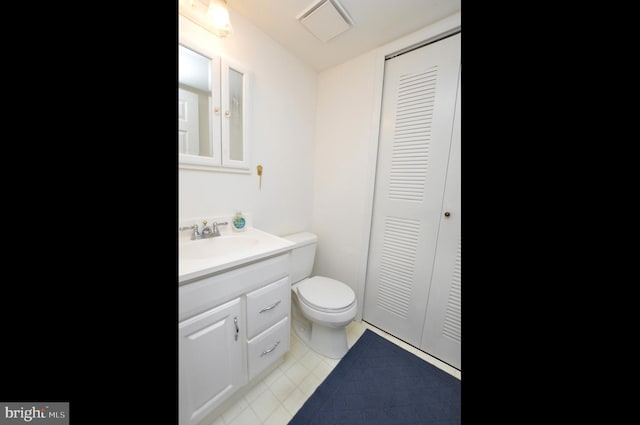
(417, 119)
(442, 335)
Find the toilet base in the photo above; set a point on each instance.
(329, 341)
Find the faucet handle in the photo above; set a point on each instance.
(214, 228)
(195, 234)
(204, 223)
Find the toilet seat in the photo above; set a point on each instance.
(326, 294)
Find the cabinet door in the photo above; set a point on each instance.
(199, 76)
(234, 89)
(211, 358)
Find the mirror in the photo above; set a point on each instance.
(212, 115)
(195, 101)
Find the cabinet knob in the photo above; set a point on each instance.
(447, 214)
(227, 114)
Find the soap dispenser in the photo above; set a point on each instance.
(239, 222)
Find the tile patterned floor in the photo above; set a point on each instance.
(276, 399)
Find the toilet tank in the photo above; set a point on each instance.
(302, 255)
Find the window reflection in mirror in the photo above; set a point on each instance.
(194, 103)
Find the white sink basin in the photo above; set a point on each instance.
(206, 256)
(218, 246)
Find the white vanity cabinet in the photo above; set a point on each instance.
(211, 359)
(232, 326)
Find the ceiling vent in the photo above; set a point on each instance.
(326, 19)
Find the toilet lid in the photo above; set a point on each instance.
(325, 294)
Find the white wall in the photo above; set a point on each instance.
(341, 161)
(282, 131)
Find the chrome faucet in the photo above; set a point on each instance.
(207, 232)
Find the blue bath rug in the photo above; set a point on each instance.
(379, 383)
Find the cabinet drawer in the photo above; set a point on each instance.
(266, 306)
(200, 295)
(267, 347)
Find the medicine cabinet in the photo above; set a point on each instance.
(213, 112)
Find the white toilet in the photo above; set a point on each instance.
(321, 307)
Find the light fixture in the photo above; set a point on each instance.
(212, 15)
(219, 15)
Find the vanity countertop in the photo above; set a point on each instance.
(204, 257)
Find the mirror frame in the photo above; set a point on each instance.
(204, 163)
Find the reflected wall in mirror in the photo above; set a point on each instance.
(212, 112)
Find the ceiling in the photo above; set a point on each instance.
(375, 23)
